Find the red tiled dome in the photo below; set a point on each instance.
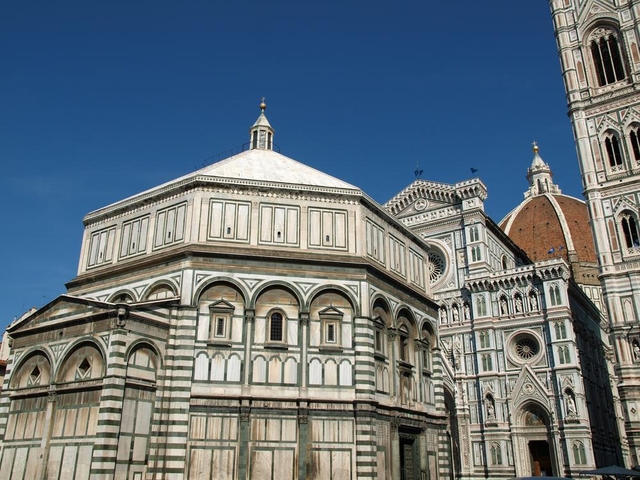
(548, 224)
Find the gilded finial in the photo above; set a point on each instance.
(535, 146)
(263, 105)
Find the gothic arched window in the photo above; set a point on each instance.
(614, 154)
(630, 229)
(481, 306)
(605, 53)
(634, 136)
(561, 330)
(475, 254)
(487, 362)
(473, 234)
(579, 453)
(496, 454)
(554, 295)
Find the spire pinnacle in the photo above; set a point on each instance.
(263, 106)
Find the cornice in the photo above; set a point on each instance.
(226, 185)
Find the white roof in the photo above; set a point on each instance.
(251, 167)
(269, 166)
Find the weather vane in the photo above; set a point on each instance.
(418, 171)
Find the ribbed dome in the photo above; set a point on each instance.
(548, 224)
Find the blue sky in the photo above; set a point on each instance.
(101, 100)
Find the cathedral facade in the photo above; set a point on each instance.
(599, 48)
(260, 319)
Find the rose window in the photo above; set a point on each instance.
(526, 347)
(436, 267)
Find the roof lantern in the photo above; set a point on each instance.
(261, 133)
(540, 176)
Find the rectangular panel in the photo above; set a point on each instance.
(20, 463)
(392, 253)
(125, 242)
(111, 241)
(171, 226)
(380, 245)
(83, 467)
(181, 216)
(327, 229)
(160, 227)
(135, 233)
(70, 422)
(54, 463)
(93, 249)
(278, 225)
(283, 464)
(144, 230)
(243, 222)
(69, 462)
(34, 463)
(340, 233)
(292, 226)
(224, 459)
(8, 455)
(261, 465)
(229, 220)
(200, 464)
(215, 220)
(102, 252)
(266, 217)
(314, 228)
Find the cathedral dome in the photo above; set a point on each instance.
(548, 224)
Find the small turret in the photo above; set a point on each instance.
(540, 177)
(261, 133)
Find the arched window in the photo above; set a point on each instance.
(427, 341)
(496, 454)
(561, 330)
(614, 154)
(481, 306)
(487, 363)
(630, 229)
(276, 327)
(403, 346)
(484, 339)
(605, 53)
(563, 354)
(505, 265)
(634, 136)
(579, 453)
(475, 254)
(473, 234)
(554, 295)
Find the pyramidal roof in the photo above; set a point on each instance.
(257, 165)
(260, 166)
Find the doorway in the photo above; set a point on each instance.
(409, 459)
(540, 458)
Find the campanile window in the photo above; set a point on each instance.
(605, 53)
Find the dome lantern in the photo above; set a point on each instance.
(261, 133)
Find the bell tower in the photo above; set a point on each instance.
(598, 44)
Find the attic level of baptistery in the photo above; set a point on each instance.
(256, 203)
(548, 224)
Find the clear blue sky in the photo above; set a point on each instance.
(101, 100)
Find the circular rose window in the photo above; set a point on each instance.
(436, 266)
(526, 346)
